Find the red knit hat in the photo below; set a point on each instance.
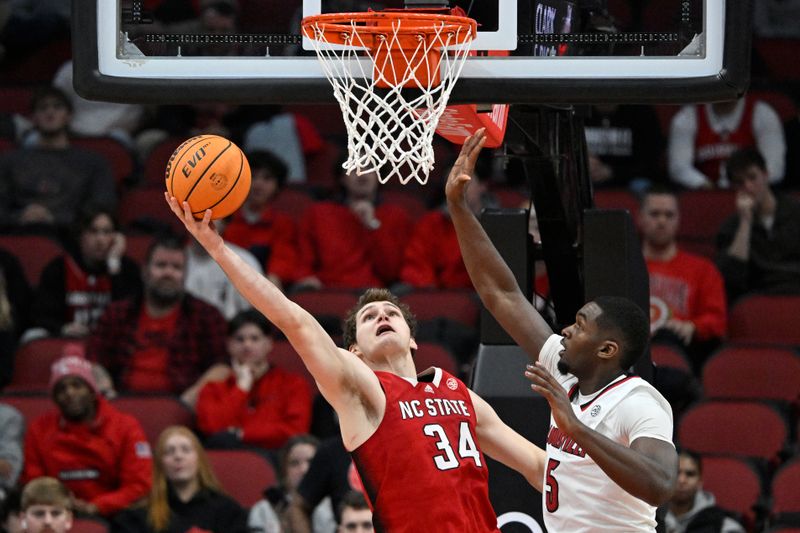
(72, 365)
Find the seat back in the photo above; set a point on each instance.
(33, 251)
(748, 429)
(432, 354)
(283, 355)
(89, 525)
(119, 158)
(155, 413)
(663, 355)
(753, 372)
(146, 209)
(786, 489)
(155, 165)
(243, 474)
(458, 305)
(32, 363)
(765, 319)
(617, 199)
(328, 306)
(735, 484)
(30, 406)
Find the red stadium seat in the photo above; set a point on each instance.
(136, 247)
(33, 252)
(327, 305)
(663, 355)
(243, 474)
(88, 525)
(511, 198)
(765, 319)
(33, 360)
(752, 372)
(736, 428)
(118, 156)
(6, 145)
(617, 199)
(155, 413)
(31, 406)
(284, 356)
(16, 99)
(146, 209)
(412, 200)
(155, 165)
(786, 490)
(458, 305)
(431, 354)
(319, 165)
(781, 102)
(735, 484)
(702, 214)
(293, 202)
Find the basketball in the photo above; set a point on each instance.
(209, 172)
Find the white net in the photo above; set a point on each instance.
(392, 97)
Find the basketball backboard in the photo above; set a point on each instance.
(555, 51)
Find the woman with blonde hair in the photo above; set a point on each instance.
(185, 495)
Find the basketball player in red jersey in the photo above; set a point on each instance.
(417, 440)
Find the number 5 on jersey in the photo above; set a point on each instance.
(466, 446)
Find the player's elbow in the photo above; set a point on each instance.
(659, 491)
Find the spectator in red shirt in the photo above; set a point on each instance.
(165, 341)
(269, 235)
(99, 453)
(258, 404)
(354, 242)
(687, 292)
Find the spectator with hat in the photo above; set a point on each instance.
(99, 453)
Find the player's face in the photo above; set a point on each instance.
(263, 187)
(355, 520)
(180, 459)
(581, 340)
(658, 219)
(96, 239)
(47, 519)
(752, 181)
(381, 330)
(297, 463)
(164, 274)
(688, 480)
(249, 345)
(74, 398)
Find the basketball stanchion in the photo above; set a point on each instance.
(392, 73)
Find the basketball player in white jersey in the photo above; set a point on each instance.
(610, 458)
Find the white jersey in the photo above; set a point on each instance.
(577, 495)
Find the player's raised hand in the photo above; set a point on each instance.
(545, 384)
(464, 167)
(203, 230)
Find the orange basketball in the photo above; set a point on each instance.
(209, 172)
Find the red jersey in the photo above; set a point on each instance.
(422, 469)
(712, 149)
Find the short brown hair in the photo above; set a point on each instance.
(369, 296)
(45, 491)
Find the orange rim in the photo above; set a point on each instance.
(372, 26)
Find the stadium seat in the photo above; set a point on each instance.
(320, 165)
(735, 428)
(773, 53)
(155, 413)
(16, 99)
(786, 492)
(781, 102)
(136, 246)
(31, 406)
(510, 198)
(243, 474)
(753, 372)
(432, 354)
(663, 355)
(33, 252)
(458, 305)
(328, 306)
(146, 210)
(702, 214)
(617, 199)
(119, 158)
(293, 201)
(762, 318)
(284, 356)
(89, 525)
(156, 163)
(33, 360)
(410, 199)
(735, 483)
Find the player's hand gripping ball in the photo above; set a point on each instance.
(209, 172)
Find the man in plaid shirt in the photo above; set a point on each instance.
(164, 341)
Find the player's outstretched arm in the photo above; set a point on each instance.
(503, 444)
(343, 379)
(490, 275)
(648, 469)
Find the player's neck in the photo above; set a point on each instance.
(600, 378)
(402, 366)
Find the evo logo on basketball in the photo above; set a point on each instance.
(192, 162)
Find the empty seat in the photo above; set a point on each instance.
(702, 214)
(136, 247)
(458, 305)
(617, 199)
(431, 354)
(753, 372)
(16, 99)
(748, 429)
(762, 318)
(664, 355)
(243, 474)
(146, 210)
(89, 525)
(118, 156)
(786, 491)
(33, 252)
(33, 360)
(31, 406)
(410, 200)
(735, 483)
(155, 413)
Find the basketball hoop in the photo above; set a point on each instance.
(392, 73)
